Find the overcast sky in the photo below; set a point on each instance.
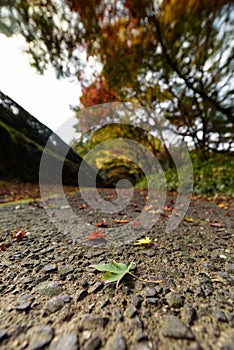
(45, 97)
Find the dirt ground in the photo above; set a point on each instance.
(51, 297)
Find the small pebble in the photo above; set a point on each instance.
(65, 342)
(173, 327)
(226, 340)
(150, 292)
(175, 300)
(137, 300)
(153, 301)
(24, 306)
(41, 337)
(116, 342)
(54, 304)
(90, 322)
(94, 343)
(96, 287)
(64, 270)
(3, 334)
(49, 288)
(81, 294)
(49, 268)
(220, 315)
(131, 311)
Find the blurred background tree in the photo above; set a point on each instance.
(174, 57)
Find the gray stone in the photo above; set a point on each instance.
(150, 292)
(41, 337)
(23, 306)
(118, 314)
(3, 334)
(81, 294)
(66, 298)
(90, 322)
(54, 304)
(230, 267)
(49, 288)
(96, 287)
(94, 343)
(64, 270)
(137, 300)
(226, 340)
(220, 315)
(188, 314)
(174, 299)
(65, 342)
(49, 268)
(142, 347)
(140, 337)
(116, 342)
(173, 327)
(27, 297)
(153, 301)
(131, 311)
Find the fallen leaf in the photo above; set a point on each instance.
(166, 208)
(143, 241)
(189, 219)
(82, 206)
(222, 205)
(120, 221)
(114, 272)
(96, 235)
(136, 223)
(102, 223)
(2, 246)
(18, 234)
(216, 224)
(148, 207)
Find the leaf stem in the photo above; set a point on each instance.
(142, 280)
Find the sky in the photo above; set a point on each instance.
(44, 96)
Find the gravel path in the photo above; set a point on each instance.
(52, 299)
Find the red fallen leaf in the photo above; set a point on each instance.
(18, 234)
(82, 206)
(96, 235)
(2, 246)
(166, 208)
(216, 224)
(164, 215)
(136, 223)
(120, 221)
(102, 223)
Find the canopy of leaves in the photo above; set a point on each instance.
(176, 57)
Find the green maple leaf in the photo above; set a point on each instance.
(114, 272)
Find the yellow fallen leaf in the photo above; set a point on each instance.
(222, 205)
(143, 241)
(120, 221)
(189, 219)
